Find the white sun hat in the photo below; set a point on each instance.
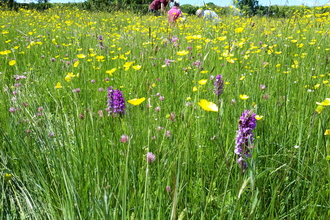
(199, 12)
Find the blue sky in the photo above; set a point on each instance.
(229, 2)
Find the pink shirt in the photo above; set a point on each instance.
(173, 14)
(156, 4)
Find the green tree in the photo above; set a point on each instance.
(9, 3)
(247, 7)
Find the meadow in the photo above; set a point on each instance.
(70, 151)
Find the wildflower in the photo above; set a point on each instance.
(127, 65)
(58, 86)
(75, 64)
(239, 30)
(202, 81)
(208, 106)
(51, 134)
(244, 137)
(110, 72)
(77, 90)
(182, 53)
(168, 189)
(243, 97)
(18, 77)
(168, 134)
(171, 117)
(265, 96)
(259, 117)
(93, 81)
(174, 39)
(12, 62)
(327, 132)
(81, 56)
(100, 38)
(326, 102)
(137, 67)
(167, 62)
(150, 157)
(136, 101)
(218, 85)
(12, 110)
(262, 87)
(116, 102)
(197, 63)
(124, 138)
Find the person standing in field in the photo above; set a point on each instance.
(159, 4)
(174, 13)
(208, 15)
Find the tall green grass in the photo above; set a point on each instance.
(61, 154)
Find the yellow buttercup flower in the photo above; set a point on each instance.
(12, 62)
(239, 30)
(259, 117)
(202, 81)
(195, 89)
(81, 56)
(137, 67)
(326, 102)
(110, 72)
(5, 52)
(58, 86)
(136, 101)
(99, 58)
(208, 106)
(127, 65)
(182, 53)
(327, 132)
(243, 97)
(75, 64)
